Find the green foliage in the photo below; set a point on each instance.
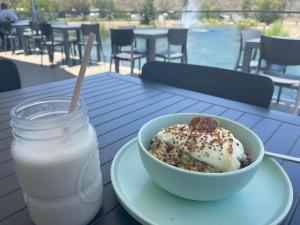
(246, 6)
(244, 24)
(276, 29)
(211, 21)
(106, 7)
(266, 5)
(78, 6)
(40, 5)
(211, 5)
(148, 11)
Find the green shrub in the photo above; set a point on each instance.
(211, 21)
(148, 11)
(269, 5)
(276, 29)
(211, 5)
(244, 24)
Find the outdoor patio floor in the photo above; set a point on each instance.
(32, 73)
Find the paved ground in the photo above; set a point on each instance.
(32, 73)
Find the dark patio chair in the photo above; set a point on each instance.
(86, 29)
(123, 38)
(283, 52)
(230, 84)
(10, 37)
(136, 48)
(33, 34)
(176, 37)
(10, 78)
(246, 35)
(49, 41)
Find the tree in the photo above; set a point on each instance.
(269, 5)
(41, 5)
(106, 7)
(246, 6)
(148, 11)
(80, 6)
(211, 5)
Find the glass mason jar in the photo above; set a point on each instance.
(56, 158)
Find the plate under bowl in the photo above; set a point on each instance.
(265, 200)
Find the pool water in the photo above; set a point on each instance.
(211, 46)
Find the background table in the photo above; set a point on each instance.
(65, 28)
(118, 106)
(151, 35)
(20, 26)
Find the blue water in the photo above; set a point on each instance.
(218, 47)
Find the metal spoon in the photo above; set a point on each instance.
(284, 157)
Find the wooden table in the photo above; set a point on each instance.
(151, 35)
(250, 46)
(118, 106)
(65, 28)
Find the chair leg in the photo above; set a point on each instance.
(12, 43)
(110, 64)
(117, 65)
(62, 53)
(279, 94)
(98, 53)
(132, 66)
(139, 66)
(41, 51)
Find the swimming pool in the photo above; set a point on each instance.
(212, 46)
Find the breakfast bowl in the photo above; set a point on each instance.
(194, 185)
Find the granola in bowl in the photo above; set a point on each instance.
(201, 146)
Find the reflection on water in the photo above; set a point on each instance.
(211, 46)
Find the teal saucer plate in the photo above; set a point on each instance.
(265, 200)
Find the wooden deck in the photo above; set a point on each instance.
(33, 74)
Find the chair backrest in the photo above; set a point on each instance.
(86, 29)
(34, 26)
(10, 78)
(6, 27)
(121, 37)
(248, 88)
(247, 35)
(46, 30)
(281, 51)
(177, 36)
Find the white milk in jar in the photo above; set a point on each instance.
(56, 159)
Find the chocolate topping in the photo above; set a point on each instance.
(203, 124)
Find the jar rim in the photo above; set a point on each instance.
(51, 122)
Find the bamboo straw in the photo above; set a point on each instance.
(80, 78)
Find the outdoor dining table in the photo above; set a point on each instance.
(20, 26)
(250, 46)
(117, 107)
(151, 35)
(65, 28)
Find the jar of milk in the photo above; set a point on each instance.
(56, 159)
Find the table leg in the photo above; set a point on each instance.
(247, 59)
(66, 47)
(151, 49)
(78, 41)
(20, 31)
